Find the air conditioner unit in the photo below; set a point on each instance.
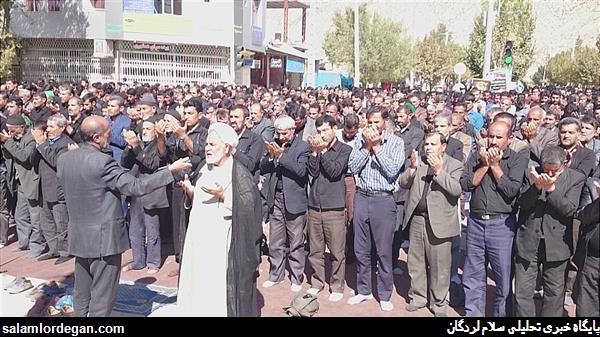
(103, 48)
(277, 38)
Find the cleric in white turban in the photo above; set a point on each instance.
(221, 250)
(225, 133)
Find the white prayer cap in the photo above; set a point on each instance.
(226, 133)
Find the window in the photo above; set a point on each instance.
(53, 5)
(98, 4)
(33, 5)
(172, 7)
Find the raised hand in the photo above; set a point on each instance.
(376, 138)
(39, 136)
(494, 156)
(547, 182)
(216, 191)
(269, 149)
(186, 185)
(484, 157)
(530, 130)
(249, 123)
(435, 162)
(414, 159)
(177, 129)
(160, 128)
(131, 139)
(535, 178)
(4, 136)
(277, 150)
(180, 165)
(312, 143)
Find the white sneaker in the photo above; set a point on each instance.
(296, 287)
(335, 297)
(269, 284)
(313, 291)
(398, 271)
(359, 299)
(386, 306)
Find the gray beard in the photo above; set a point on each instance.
(215, 158)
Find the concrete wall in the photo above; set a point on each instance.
(76, 19)
(205, 23)
(255, 23)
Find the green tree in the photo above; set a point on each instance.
(538, 76)
(515, 23)
(8, 44)
(476, 48)
(385, 48)
(576, 66)
(586, 66)
(437, 54)
(560, 68)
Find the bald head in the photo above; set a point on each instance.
(93, 126)
(536, 114)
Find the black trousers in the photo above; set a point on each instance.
(553, 283)
(588, 288)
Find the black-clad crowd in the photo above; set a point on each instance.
(507, 182)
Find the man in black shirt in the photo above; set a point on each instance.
(39, 111)
(327, 166)
(494, 176)
(579, 158)
(76, 117)
(412, 135)
(250, 148)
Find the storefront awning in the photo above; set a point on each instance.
(286, 49)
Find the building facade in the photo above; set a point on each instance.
(148, 41)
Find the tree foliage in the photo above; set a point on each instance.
(437, 54)
(538, 76)
(385, 48)
(560, 68)
(8, 44)
(575, 66)
(515, 23)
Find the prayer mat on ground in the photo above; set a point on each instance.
(142, 299)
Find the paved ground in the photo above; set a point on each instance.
(271, 300)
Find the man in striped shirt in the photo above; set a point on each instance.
(376, 161)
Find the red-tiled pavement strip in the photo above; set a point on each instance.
(271, 300)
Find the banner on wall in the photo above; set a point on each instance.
(294, 66)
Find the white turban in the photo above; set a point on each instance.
(226, 133)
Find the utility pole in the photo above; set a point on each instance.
(285, 20)
(489, 28)
(356, 44)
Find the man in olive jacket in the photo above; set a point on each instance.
(432, 211)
